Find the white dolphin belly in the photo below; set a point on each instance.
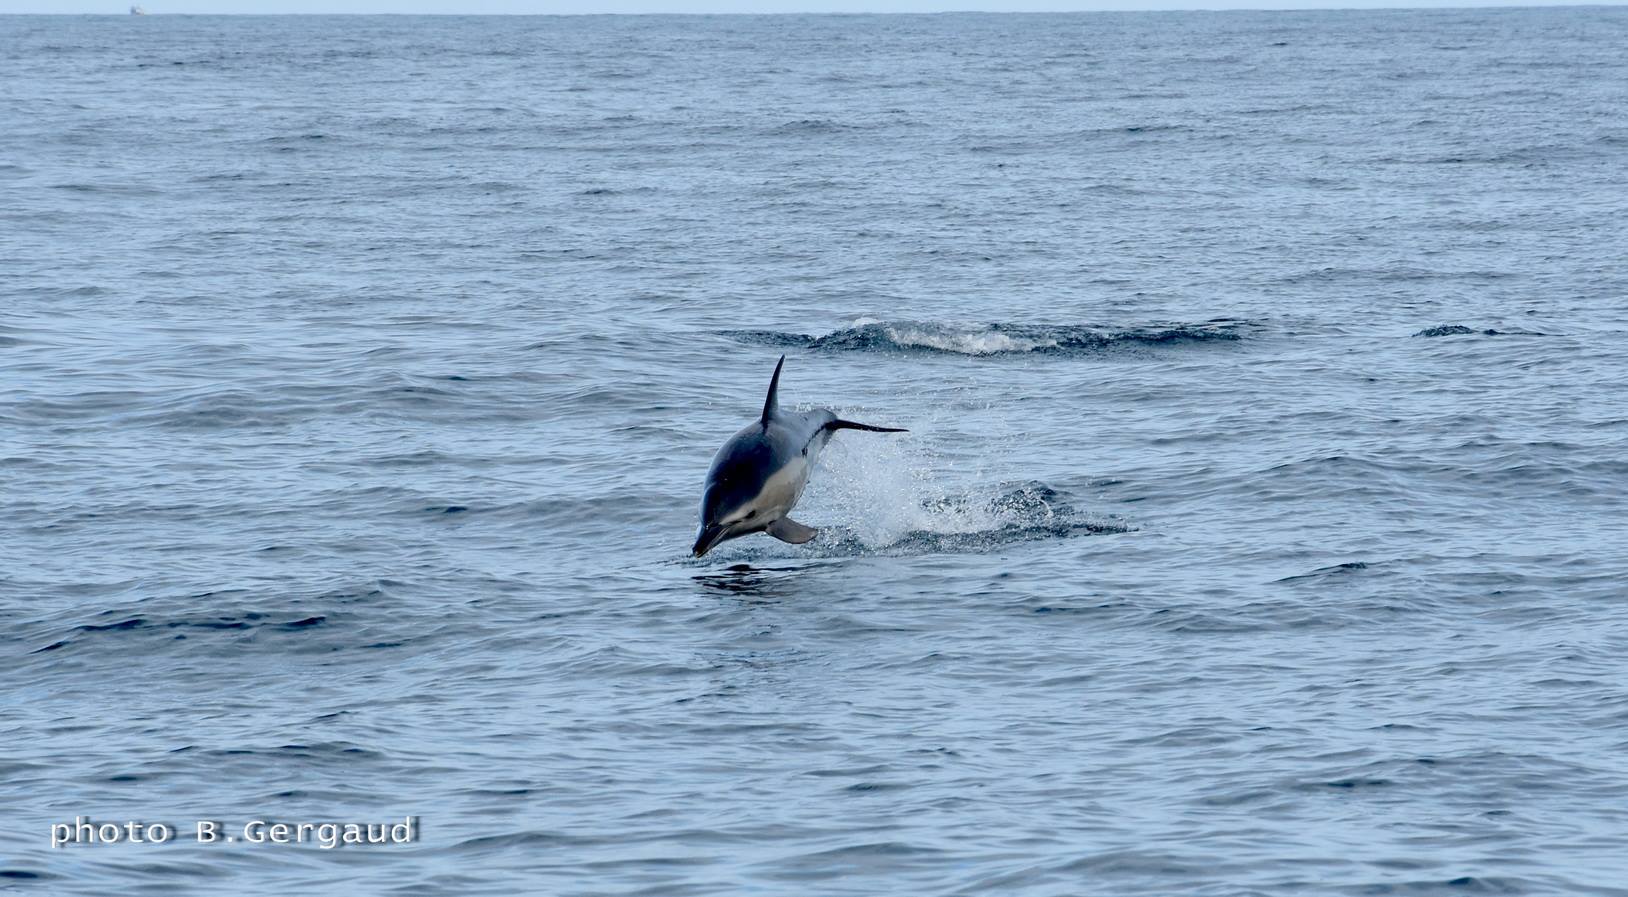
(783, 488)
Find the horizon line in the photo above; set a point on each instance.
(1289, 6)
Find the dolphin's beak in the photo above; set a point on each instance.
(711, 534)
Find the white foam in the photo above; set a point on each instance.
(975, 339)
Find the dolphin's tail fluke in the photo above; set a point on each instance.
(840, 424)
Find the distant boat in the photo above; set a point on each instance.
(137, 11)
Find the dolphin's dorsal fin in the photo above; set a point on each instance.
(771, 405)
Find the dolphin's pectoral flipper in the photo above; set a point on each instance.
(788, 530)
(840, 424)
(771, 403)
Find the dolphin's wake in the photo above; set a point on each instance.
(867, 335)
(951, 525)
(964, 523)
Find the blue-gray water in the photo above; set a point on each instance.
(1260, 527)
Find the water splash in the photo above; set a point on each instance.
(888, 497)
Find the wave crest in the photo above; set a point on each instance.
(994, 339)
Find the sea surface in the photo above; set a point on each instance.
(1261, 527)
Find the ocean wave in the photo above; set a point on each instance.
(246, 621)
(1324, 574)
(812, 126)
(996, 338)
(1454, 330)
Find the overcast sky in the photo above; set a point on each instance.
(636, 6)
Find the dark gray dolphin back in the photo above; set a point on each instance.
(746, 461)
(738, 473)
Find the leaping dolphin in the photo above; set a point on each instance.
(759, 474)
